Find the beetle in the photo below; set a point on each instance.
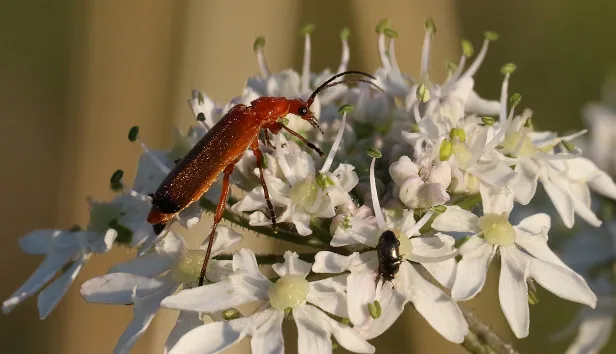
(388, 252)
(222, 147)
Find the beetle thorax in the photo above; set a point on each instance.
(270, 109)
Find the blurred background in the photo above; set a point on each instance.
(75, 75)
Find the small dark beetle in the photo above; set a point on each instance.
(389, 255)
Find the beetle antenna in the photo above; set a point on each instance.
(327, 83)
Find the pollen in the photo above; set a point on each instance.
(289, 291)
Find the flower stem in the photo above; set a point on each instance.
(269, 258)
(282, 234)
(481, 339)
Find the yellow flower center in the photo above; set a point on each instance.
(188, 268)
(304, 193)
(289, 291)
(497, 230)
(463, 155)
(519, 144)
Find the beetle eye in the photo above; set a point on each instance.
(303, 111)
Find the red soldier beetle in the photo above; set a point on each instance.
(222, 147)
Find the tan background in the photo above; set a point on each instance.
(75, 75)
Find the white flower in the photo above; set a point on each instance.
(65, 252)
(146, 280)
(524, 254)
(434, 253)
(306, 301)
(566, 177)
(453, 98)
(294, 185)
(423, 191)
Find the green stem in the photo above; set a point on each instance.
(469, 202)
(280, 234)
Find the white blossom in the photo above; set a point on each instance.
(306, 300)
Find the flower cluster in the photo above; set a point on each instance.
(436, 165)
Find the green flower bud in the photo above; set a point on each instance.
(490, 35)
(457, 133)
(345, 33)
(489, 121)
(308, 28)
(429, 25)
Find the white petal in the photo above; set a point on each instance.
(225, 238)
(364, 291)
(329, 294)
(472, 268)
(402, 170)
(441, 312)
(345, 335)
(493, 172)
(292, 265)
(302, 223)
(496, 200)
(562, 201)
(235, 291)
(455, 219)
(117, 288)
(213, 337)
(43, 274)
(603, 184)
(513, 291)
(144, 308)
(40, 241)
(267, 339)
(347, 176)
(393, 297)
(312, 338)
(245, 260)
(186, 322)
(330, 262)
(524, 185)
(151, 264)
(49, 298)
(219, 270)
(562, 282)
(594, 333)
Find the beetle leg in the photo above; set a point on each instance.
(259, 155)
(297, 135)
(220, 208)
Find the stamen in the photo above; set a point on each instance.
(200, 116)
(503, 99)
(425, 51)
(257, 47)
(380, 29)
(334, 149)
(161, 165)
(456, 74)
(346, 52)
(380, 220)
(307, 30)
(472, 70)
(392, 52)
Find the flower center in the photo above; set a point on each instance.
(304, 193)
(497, 230)
(463, 155)
(188, 268)
(289, 291)
(519, 144)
